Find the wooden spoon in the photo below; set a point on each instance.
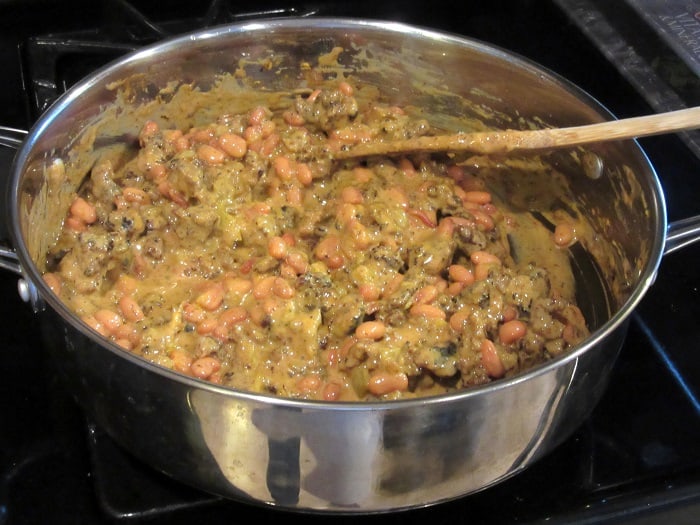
(504, 141)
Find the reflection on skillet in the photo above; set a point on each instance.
(299, 454)
(349, 458)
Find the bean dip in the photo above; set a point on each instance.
(241, 253)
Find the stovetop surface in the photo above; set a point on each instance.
(635, 460)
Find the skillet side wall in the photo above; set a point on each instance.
(288, 455)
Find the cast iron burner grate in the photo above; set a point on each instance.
(54, 62)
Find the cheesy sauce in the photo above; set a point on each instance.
(241, 253)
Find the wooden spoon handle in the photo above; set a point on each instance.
(489, 142)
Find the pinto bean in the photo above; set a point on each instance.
(428, 310)
(157, 171)
(313, 95)
(426, 295)
(331, 392)
(202, 135)
(511, 331)
(210, 154)
(569, 334)
(446, 227)
(359, 235)
(289, 239)
(74, 224)
(109, 319)
(347, 135)
(460, 273)
(258, 208)
(287, 272)
(277, 247)
(257, 115)
(369, 292)
(181, 361)
(228, 318)
(304, 174)
(269, 143)
(351, 195)
(207, 325)
(238, 285)
(346, 212)
(130, 309)
(171, 135)
(264, 288)
(167, 190)
(205, 367)
(455, 288)
(490, 359)
(407, 167)
(309, 383)
(233, 145)
(124, 343)
(482, 271)
(253, 135)
(282, 288)
(83, 210)
(564, 234)
(510, 312)
(297, 260)
(283, 167)
(484, 220)
(476, 197)
(53, 281)
(136, 196)
(362, 175)
(458, 320)
(211, 298)
(371, 330)
(346, 89)
(479, 257)
(127, 332)
(328, 251)
(148, 130)
(93, 323)
(126, 284)
(294, 196)
(181, 144)
(393, 285)
(193, 313)
(381, 383)
(233, 315)
(456, 173)
(426, 217)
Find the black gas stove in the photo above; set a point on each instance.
(635, 460)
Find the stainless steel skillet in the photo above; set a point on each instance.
(329, 457)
